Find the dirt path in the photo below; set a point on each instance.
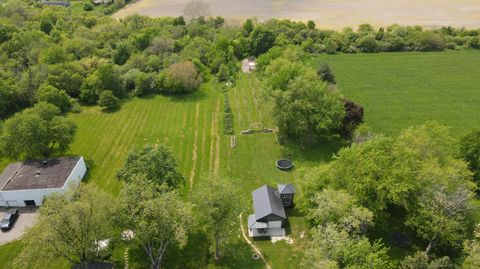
(195, 146)
(255, 248)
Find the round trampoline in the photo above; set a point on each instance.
(401, 240)
(255, 256)
(284, 164)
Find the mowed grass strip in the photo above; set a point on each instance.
(398, 90)
(105, 139)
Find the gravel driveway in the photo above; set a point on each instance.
(26, 219)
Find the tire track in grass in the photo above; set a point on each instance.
(204, 143)
(195, 146)
(217, 138)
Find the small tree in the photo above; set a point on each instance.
(49, 94)
(155, 162)
(248, 26)
(69, 226)
(311, 25)
(220, 203)
(108, 101)
(195, 9)
(353, 118)
(36, 131)
(157, 217)
(325, 73)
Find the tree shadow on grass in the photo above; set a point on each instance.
(196, 96)
(194, 255)
(322, 151)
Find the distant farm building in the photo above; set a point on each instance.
(102, 2)
(269, 204)
(28, 183)
(56, 3)
(248, 65)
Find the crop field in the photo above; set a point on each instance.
(398, 90)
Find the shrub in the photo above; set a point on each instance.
(228, 117)
(108, 101)
(325, 73)
(87, 6)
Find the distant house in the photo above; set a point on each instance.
(56, 3)
(270, 218)
(248, 65)
(102, 2)
(28, 183)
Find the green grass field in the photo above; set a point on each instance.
(398, 90)
(192, 127)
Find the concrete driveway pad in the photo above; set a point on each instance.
(25, 220)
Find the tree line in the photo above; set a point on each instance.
(84, 54)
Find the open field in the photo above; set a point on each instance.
(192, 127)
(334, 14)
(398, 90)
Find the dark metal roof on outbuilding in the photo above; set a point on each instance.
(37, 174)
(286, 189)
(266, 201)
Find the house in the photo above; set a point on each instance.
(56, 3)
(270, 217)
(102, 2)
(28, 183)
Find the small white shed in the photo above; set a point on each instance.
(28, 183)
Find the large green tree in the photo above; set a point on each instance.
(50, 94)
(156, 162)
(37, 131)
(158, 218)
(470, 151)
(70, 226)
(219, 204)
(331, 247)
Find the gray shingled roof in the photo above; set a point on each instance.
(266, 201)
(286, 188)
(34, 174)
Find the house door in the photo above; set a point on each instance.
(30, 203)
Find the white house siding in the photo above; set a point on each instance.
(77, 174)
(16, 198)
(275, 224)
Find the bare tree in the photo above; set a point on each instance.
(195, 9)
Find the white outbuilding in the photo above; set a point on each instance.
(28, 183)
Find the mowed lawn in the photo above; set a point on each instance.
(186, 124)
(398, 90)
